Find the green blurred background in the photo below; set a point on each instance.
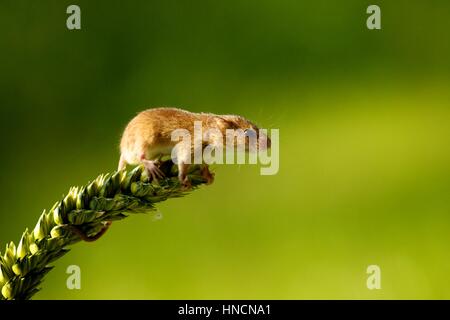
(364, 143)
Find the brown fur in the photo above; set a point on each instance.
(148, 135)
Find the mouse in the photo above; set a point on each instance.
(147, 138)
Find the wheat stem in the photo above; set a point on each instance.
(109, 197)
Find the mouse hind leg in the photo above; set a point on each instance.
(122, 163)
(183, 160)
(206, 174)
(182, 175)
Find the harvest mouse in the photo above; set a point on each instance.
(147, 138)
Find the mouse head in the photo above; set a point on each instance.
(250, 129)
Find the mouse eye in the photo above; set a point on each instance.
(250, 132)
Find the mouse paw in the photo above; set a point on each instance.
(153, 170)
(207, 175)
(186, 184)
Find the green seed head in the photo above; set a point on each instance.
(7, 291)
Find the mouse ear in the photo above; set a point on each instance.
(229, 122)
(233, 125)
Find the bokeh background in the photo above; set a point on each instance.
(364, 143)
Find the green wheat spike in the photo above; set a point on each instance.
(109, 197)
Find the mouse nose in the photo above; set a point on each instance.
(269, 142)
